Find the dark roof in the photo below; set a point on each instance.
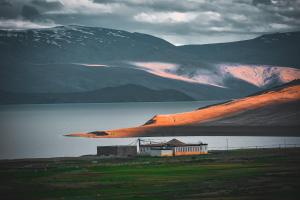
(171, 143)
(175, 142)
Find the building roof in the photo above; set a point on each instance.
(171, 143)
(175, 142)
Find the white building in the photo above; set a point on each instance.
(172, 148)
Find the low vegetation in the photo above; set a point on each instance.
(237, 174)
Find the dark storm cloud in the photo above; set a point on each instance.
(181, 22)
(30, 12)
(46, 5)
(5, 3)
(267, 2)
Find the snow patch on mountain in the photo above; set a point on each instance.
(71, 34)
(116, 34)
(170, 70)
(261, 76)
(90, 65)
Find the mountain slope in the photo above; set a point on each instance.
(124, 93)
(273, 112)
(279, 49)
(79, 78)
(67, 44)
(271, 98)
(78, 59)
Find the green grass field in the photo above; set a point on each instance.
(239, 174)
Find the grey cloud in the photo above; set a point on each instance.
(180, 22)
(5, 3)
(104, 1)
(30, 12)
(267, 2)
(48, 5)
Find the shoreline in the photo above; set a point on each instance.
(170, 131)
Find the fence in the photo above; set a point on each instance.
(281, 146)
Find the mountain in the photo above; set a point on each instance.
(278, 49)
(72, 44)
(124, 93)
(51, 79)
(272, 112)
(78, 59)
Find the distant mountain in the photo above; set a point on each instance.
(124, 93)
(72, 44)
(278, 49)
(272, 112)
(78, 59)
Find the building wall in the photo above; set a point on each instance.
(190, 150)
(119, 151)
(161, 152)
(189, 153)
(107, 151)
(144, 150)
(175, 151)
(127, 151)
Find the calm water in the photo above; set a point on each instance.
(32, 131)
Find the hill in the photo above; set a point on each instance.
(271, 49)
(273, 112)
(125, 93)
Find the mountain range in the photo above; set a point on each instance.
(68, 64)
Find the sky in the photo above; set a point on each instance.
(177, 21)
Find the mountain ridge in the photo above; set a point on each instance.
(269, 49)
(73, 58)
(123, 93)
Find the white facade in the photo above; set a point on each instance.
(200, 148)
(172, 148)
(173, 151)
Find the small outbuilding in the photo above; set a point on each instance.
(117, 151)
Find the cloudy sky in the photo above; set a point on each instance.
(180, 22)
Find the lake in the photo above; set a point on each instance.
(35, 131)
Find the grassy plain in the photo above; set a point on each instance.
(236, 174)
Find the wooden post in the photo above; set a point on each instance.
(227, 144)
